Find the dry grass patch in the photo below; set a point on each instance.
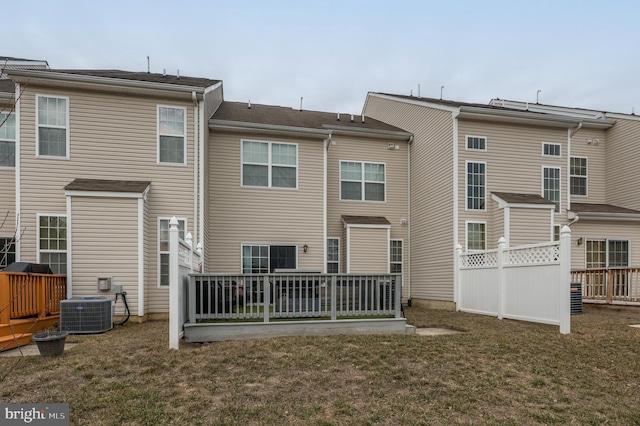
(496, 372)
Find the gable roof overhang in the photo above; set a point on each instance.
(366, 222)
(608, 212)
(107, 188)
(110, 83)
(531, 201)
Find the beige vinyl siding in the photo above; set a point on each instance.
(511, 162)
(529, 226)
(623, 151)
(432, 246)
(620, 230)
(595, 155)
(266, 216)
(7, 202)
(112, 136)
(104, 234)
(394, 208)
(213, 100)
(495, 227)
(368, 250)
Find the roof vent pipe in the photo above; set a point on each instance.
(338, 119)
(538, 96)
(178, 74)
(441, 89)
(363, 118)
(164, 72)
(148, 65)
(352, 120)
(418, 90)
(633, 111)
(249, 107)
(301, 98)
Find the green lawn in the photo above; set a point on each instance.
(496, 372)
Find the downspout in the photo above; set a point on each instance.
(454, 116)
(327, 143)
(196, 165)
(18, 147)
(572, 132)
(409, 144)
(201, 149)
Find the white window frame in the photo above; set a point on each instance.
(556, 230)
(6, 140)
(159, 134)
(391, 261)
(466, 186)
(559, 186)
(66, 127)
(469, 137)
(585, 177)
(362, 181)
(39, 250)
(268, 246)
(269, 164)
(327, 261)
(606, 252)
(161, 252)
(466, 234)
(550, 144)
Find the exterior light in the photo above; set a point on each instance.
(305, 248)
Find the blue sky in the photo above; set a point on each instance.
(578, 53)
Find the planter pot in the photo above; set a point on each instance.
(50, 343)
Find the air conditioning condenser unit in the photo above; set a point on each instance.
(86, 314)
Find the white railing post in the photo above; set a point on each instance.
(502, 243)
(266, 297)
(200, 261)
(564, 287)
(189, 241)
(398, 296)
(456, 276)
(174, 284)
(334, 297)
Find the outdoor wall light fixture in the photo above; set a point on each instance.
(580, 241)
(305, 248)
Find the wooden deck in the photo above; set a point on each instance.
(28, 303)
(610, 286)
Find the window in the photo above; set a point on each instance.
(395, 254)
(7, 251)
(52, 236)
(476, 236)
(163, 241)
(556, 232)
(604, 253)
(476, 143)
(269, 164)
(551, 150)
(53, 123)
(362, 181)
(7, 140)
(476, 186)
(262, 259)
(333, 255)
(578, 176)
(171, 135)
(551, 185)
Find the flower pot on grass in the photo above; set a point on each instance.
(50, 343)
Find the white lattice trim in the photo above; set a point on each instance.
(535, 255)
(479, 260)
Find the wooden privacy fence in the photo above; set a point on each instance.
(25, 295)
(613, 285)
(528, 283)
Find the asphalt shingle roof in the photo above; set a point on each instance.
(365, 220)
(103, 185)
(516, 198)
(600, 208)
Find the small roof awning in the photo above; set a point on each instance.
(371, 221)
(602, 212)
(513, 199)
(104, 187)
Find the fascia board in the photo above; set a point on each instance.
(416, 102)
(271, 128)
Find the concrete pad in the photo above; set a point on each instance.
(29, 350)
(635, 325)
(434, 331)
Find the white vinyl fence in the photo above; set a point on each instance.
(527, 283)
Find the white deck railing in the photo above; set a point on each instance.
(293, 295)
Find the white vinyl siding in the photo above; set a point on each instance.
(476, 186)
(578, 176)
(476, 143)
(476, 236)
(333, 255)
(551, 149)
(7, 140)
(551, 185)
(362, 181)
(269, 164)
(172, 145)
(52, 242)
(52, 135)
(163, 250)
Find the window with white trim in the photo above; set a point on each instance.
(578, 176)
(476, 236)
(262, 259)
(333, 255)
(476, 143)
(476, 186)
(362, 181)
(604, 253)
(7, 140)
(269, 164)
(395, 254)
(52, 242)
(172, 148)
(551, 185)
(556, 232)
(163, 243)
(551, 150)
(53, 125)
(7, 251)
